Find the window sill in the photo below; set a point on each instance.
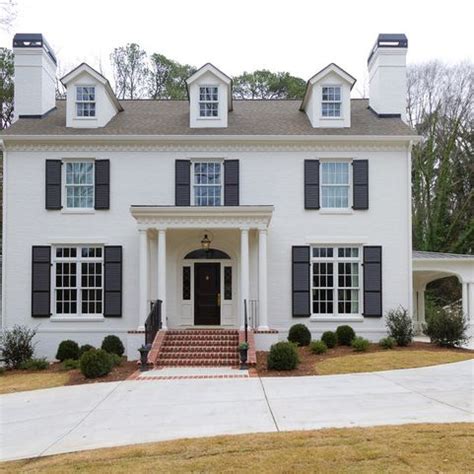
(85, 118)
(77, 211)
(331, 118)
(77, 319)
(338, 319)
(335, 211)
(208, 118)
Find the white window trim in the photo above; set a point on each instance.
(206, 160)
(337, 210)
(76, 317)
(76, 210)
(80, 117)
(335, 260)
(199, 117)
(341, 116)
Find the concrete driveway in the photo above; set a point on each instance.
(58, 420)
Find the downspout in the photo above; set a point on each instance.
(410, 236)
(4, 235)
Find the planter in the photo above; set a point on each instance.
(243, 359)
(144, 350)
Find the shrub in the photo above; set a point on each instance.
(84, 348)
(446, 328)
(299, 334)
(283, 356)
(2, 370)
(359, 344)
(96, 363)
(71, 364)
(400, 326)
(17, 345)
(329, 338)
(318, 347)
(345, 334)
(34, 364)
(387, 343)
(113, 345)
(116, 360)
(67, 350)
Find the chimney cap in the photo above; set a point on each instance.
(33, 40)
(389, 40)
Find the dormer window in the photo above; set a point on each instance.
(208, 101)
(85, 101)
(331, 102)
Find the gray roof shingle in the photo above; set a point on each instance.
(249, 117)
(418, 254)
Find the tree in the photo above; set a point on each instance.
(6, 87)
(441, 107)
(264, 84)
(8, 13)
(130, 71)
(167, 78)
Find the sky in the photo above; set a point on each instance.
(298, 36)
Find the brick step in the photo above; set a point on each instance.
(174, 343)
(197, 355)
(202, 336)
(221, 332)
(199, 348)
(197, 362)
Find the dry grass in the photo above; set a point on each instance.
(21, 381)
(388, 360)
(408, 448)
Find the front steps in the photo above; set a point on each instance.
(197, 347)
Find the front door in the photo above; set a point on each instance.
(207, 287)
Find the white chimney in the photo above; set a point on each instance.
(387, 76)
(35, 76)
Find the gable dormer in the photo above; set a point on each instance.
(90, 100)
(327, 101)
(210, 98)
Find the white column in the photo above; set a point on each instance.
(470, 301)
(465, 301)
(142, 278)
(262, 280)
(162, 275)
(244, 272)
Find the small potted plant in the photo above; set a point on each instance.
(144, 350)
(243, 351)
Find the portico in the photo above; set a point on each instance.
(171, 261)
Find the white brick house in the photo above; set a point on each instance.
(110, 205)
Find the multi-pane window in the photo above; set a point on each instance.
(208, 101)
(331, 101)
(85, 101)
(79, 184)
(335, 184)
(335, 281)
(207, 183)
(78, 280)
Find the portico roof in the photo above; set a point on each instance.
(189, 217)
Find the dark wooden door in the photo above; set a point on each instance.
(207, 287)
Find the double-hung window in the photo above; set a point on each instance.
(79, 184)
(207, 183)
(336, 281)
(335, 184)
(78, 280)
(85, 101)
(208, 101)
(331, 102)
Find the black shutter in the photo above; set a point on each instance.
(41, 282)
(53, 184)
(231, 182)
(311, 184)
(183, 183)
(113, 281)
(102, 184)
(300, 281)
(373, 281)
(360, 180)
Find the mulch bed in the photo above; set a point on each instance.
(308, 360)
(122, 372)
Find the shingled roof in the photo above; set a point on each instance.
(249, 117)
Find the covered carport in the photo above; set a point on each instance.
(430, 266)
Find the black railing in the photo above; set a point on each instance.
(153, 322)
(246, 321)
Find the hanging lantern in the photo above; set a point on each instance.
(205, 243)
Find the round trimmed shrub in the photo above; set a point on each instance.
(329, 338)
(96, 363)
(299, 334)
(387, 342)
(68, 350)
(116, 359)
(71, 364)
(318, 347)
(84, 348)
(283, 356)
(345, 334)
(113, 345)
(446, 328)
(359, 344)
